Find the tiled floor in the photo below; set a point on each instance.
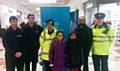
(114, 59)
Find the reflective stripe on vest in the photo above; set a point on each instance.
(111, 36)
(45, 38)
(101, 41)
(101, 36)
(45, 53)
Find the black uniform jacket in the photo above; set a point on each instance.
(14, 41)
(33, 45)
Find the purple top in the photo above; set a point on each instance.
(57, 53)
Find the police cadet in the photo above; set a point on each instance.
(102, 38)
(14, 44)
(33, 32)
(45, 40)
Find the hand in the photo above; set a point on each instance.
(18, 54)
(51, 65)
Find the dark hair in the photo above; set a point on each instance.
(30, 15)
(50, 21)
(59, 32)
(13, 18)
(73, 32)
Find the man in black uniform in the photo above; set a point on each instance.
(33, 32)
(85, 39)
(14, 44)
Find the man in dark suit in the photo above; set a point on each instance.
(85, 39)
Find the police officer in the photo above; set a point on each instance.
(102, 38)
(45, 40)
(14, 44)
(33, 32)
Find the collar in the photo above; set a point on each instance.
(11, 29)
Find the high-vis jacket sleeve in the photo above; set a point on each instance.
(111, 34)
(41, 40)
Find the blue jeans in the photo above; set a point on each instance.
(45, 66)
(100, 62)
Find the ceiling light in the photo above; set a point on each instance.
(42, 1)
(38, 9)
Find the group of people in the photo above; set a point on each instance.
(24, 45)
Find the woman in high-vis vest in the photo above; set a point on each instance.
(102, 39)
(45, 41)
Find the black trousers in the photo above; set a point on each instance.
(29, 60)
(12, 63)
(85, 68)
(100, 62)
(85, 57)
(31, 57)
(27, 65)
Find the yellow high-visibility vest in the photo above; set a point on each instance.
(102, 41)
(45, 42)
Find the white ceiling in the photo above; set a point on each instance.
(32, 6)
(25, 5)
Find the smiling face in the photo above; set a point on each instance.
(50, 25)
(31, 19)
(59, 36)
(73, 36)
(14, 23)
(99, 22)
